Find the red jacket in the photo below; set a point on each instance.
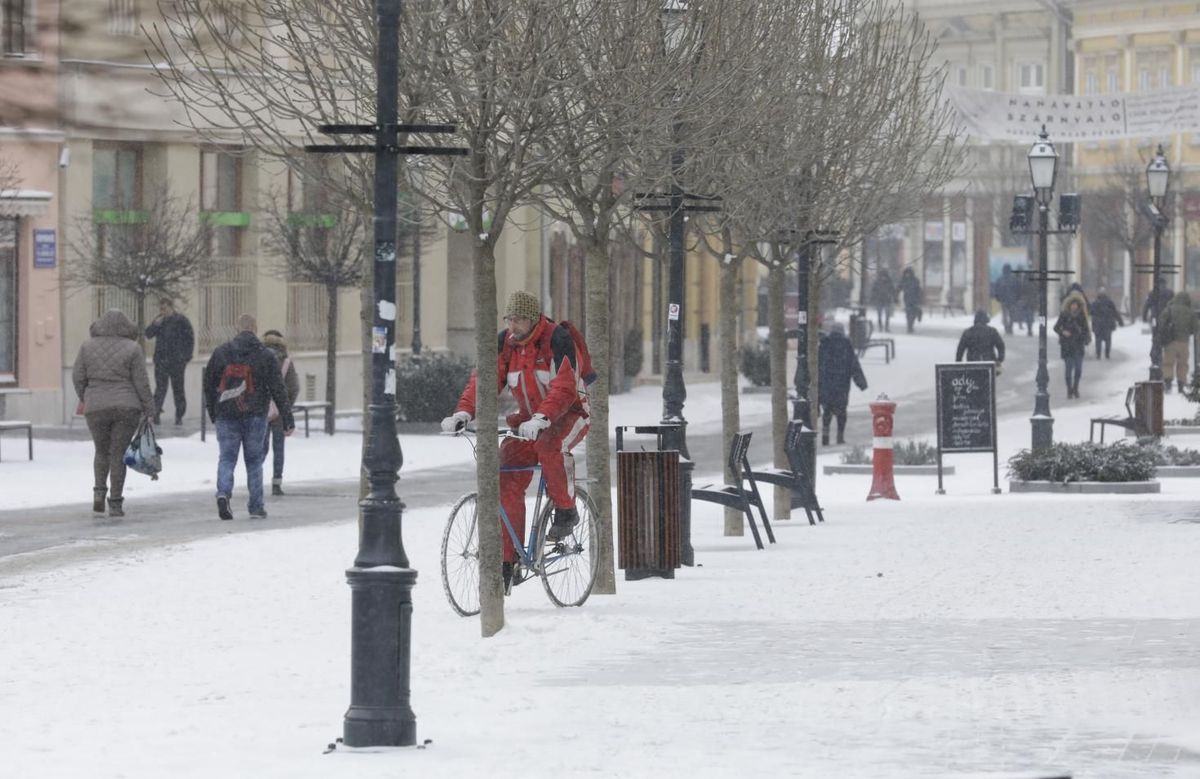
(541, 373)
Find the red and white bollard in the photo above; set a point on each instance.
(883, 483)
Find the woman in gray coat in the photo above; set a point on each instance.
(114, 394)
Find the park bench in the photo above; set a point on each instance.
(862, 338)
(308, 405)
(794, 477)
(1143, 412)
(15, 424)
(736, 495)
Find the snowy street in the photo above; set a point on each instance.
(964, 635)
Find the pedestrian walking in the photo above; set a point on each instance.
(883, 297)
(241, 380)
(174, 343)
(114, 396)
(1027, 304)
(837, 366)
(1007, 292)
(1159, 297)
(1176, 326)
(1105, 319)
(1073, 337)
(910, 290)
(274, 340)
(981, 342)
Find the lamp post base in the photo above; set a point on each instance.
(1043, 431)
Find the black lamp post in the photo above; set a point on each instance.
(1043, 169)
(380, 580)
(1158, 177)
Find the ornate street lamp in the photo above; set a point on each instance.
(1043, 169)
(1158, 179)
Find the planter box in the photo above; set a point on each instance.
(899, 470)
(1172, 471)
(1170, 430)
(1087, 487)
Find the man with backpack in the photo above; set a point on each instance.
(241, 380)
(546, 366)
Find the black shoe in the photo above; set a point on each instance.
(825, 439)
(178, 421)
(565, 521)
(506, 573)
(98, 501)
(276, 488)
(223, 508)
(115, 507)
(258, 513)
(1167, 385)
(841, 439)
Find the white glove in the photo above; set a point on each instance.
(455, 422)
(532, 426)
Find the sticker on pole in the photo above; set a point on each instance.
(673, 312)
(379, 340)
(802, 317)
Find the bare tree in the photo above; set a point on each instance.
(1115, 210)
(325, 247)
(161, 248)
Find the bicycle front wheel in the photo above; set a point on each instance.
(568, 567)
(460, 557)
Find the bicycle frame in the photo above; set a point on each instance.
(525, 548)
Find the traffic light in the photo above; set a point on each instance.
(1024, 208)
(1068, 212)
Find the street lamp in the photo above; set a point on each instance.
(1043, 170)
(1158, 178)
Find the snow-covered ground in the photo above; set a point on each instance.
(962, 635)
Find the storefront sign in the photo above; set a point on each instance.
(45, 249)
(1010, 117)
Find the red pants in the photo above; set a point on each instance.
(551, 450)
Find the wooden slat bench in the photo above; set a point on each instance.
(15, 424)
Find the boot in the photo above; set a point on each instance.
(98, 500)
(824, 438)
(841, 438)
(506, 572)
(114, 507)
(1166, 385)
(223, 507)
(277, 488)
(565, 521)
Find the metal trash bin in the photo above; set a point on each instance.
(648, 514)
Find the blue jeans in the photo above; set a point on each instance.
(249, 434)
(1074, 369)
(274, 443)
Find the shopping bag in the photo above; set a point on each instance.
(143, 453)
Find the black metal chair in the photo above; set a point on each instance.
(794, 477)
(735, 495)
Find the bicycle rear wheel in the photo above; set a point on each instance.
(460, 557)
(568, 567)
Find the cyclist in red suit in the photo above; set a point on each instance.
(537, 363)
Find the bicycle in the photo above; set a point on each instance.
(567, 567)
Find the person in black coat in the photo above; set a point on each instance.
(174, 343)
(1161, 294)
(1105, 319)
(837, 365)
(981, 342)
(910, 291)
(1073, 338)
(1007, 291)
(883, 297)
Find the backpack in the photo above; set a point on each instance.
(273, 410)
(237, 387)
(583, 358)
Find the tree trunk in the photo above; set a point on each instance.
(140, 301)
(777, 342)
(735, 524)
(598, 297)
(487, 453)
(331, 358)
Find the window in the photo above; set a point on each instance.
(8, 299)
(228, 289)
(116, 177)
(987, 76)
(1031, 78)
(221, 197)
(1153, 69)
(1091, 83)
(1112, 75)
(122, 17)
(959, 73)
(15, 27)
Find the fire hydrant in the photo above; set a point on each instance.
(883, 483)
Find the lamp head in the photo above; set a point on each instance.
(1043, 167)
(1158, 176)
(673, 15)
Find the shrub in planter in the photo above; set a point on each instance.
(906, 453)
(1084, 462)
(428, 387)
(1171, 455)
(756, 365)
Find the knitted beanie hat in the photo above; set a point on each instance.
(522, 304)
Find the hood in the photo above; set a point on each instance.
(981, 317)
(275, 342)
(245, 343)
(114, 323)
(1182, 299)
(1075, 296)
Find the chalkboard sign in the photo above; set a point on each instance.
(966, 411)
